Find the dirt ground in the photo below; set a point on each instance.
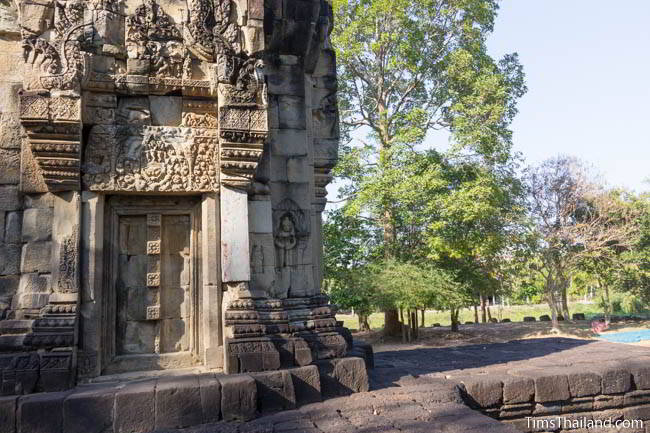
(486, 333)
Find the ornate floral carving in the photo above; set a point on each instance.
(68, 259)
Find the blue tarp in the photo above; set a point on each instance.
(627, 337)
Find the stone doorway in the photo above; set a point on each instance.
(152, 280)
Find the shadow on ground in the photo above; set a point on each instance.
(394, 367)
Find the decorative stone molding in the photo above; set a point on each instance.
(53, 126)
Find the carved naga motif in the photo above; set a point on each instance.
(209, 31)
(58, 63)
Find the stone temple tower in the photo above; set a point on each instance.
(163, 166)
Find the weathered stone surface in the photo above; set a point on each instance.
(13, 227)
(134, 407)
(10, 198)
(518, 389)
(550, 385)
(238, 397)
(483, 391)
(343, 376)
(9, 19)
(584, 383)
(166, 110)
(275, 391)
(640, 375)
(292, 112)
(178, 402)
(35, 283)
(89, 410)
(37, 224)
(9, 166)
(286, 80)
(306, 384)
(288, 142)
(149, 103)
(8, 288)
(31, 177)
(36, 257)
(40, 413)
(259, 212)
(636, 397)
(608, 402)
(637, 413)
(10, 259)
(578, 404)
(616, 380)
(39, 201)
(516, 410)
(8, 406)
(210, 389)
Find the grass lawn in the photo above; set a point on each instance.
(515, 313)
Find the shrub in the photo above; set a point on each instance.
(631, 304)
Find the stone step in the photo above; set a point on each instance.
(179, 401)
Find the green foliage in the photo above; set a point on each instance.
(350, 245)
(443, 221)
(409, 286)
(631, 304)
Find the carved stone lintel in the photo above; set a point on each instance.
(151, 158)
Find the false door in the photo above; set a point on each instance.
(154, 287)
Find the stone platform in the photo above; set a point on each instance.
(479, 388)
(487, 388)
(181, 400)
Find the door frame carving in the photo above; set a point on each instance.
(121, 205)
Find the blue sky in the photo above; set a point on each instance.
(587, 65)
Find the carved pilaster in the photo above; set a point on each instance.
(243, 127)
(53, 127)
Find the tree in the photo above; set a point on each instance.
(577, 223)
(349, 247)
(405, 68)
(408, 287)
(477, 226)
(615, 230)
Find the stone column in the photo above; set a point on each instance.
(235, 260)
(92, 266)
(212, 327)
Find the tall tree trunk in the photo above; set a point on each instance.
(364, 326)
(565, 304)
(475, 313)
(422, 321)
(392, 324)
(552, 301)
(607, 301)
(454, 320)
(489, 314)
(483, 312)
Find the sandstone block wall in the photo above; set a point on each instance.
(534, 399)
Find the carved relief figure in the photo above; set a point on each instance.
(285, 240)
